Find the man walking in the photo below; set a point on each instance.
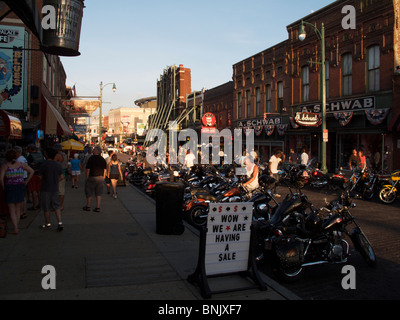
(51, 173)
(274, 162)
(96, 169)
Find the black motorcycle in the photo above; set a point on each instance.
(298, 236)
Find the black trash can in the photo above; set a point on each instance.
(169, 201)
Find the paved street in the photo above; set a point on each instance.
(381, 224)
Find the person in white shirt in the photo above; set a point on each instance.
(274, 162)
(304, 158)
(189, 159)
(252, 173)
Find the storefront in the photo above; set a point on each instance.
(356, 123)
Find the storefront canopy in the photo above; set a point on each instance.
(10, 126)
(54, 123)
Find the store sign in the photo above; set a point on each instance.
(82, 107)
(13, 71)
(348, 105)
(258, 123)
(307, 119)
(228, 238)
(209, 120)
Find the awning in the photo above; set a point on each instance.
(395, 124)
(54, 123)
(10, 126)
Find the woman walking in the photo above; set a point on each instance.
(13, 184)
(114, 173)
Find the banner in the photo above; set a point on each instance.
(13, 69)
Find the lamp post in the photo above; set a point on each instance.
(101, 107)
(321, 35)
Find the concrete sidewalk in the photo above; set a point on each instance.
(112, 255)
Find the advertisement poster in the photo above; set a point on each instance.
(13, 68)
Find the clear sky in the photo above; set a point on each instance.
(131, 42)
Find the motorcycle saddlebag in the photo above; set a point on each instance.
(290, 251)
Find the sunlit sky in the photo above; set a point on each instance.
(132, 42)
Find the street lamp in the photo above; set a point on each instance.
(321, 35)
(101, 107)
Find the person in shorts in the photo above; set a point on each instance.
(96, 169)
(51, 174)
(76, 170)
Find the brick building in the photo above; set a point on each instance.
(38, 103)
(276, 88)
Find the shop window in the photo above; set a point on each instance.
(347, 74)
(373, 69)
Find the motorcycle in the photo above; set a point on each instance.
(390, 192)
(298, 236)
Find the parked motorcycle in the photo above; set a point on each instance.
(298, 236)
(390, 192)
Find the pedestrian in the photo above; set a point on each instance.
(363, 159)
(76, 171)
(108, 160)
(189, 159)
(14, 185)
(22, 159)
(62, 159)
(354, 160)
(273, 165)
(51, 173)
(252, 173)
(304, 158)
(35, 160)
(96, 169)
(293, 157)
(114, 173)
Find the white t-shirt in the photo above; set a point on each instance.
(304, 159)
(189, 160)
(275, 161)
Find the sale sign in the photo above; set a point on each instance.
(228, 238)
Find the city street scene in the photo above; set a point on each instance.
(200, 157)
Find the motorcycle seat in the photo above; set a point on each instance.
(207, 197)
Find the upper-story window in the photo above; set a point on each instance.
(305, 84)
(374, 63)
(258, 102)
(347, 74)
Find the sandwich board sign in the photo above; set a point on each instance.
(227, 247)
(228, 238)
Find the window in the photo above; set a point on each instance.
(268, 107)
(258, 102)
(280, 97)
(305, 84)
(248, 104)
(373, 69)
(327, 75)
(240, 106)
(347, 74)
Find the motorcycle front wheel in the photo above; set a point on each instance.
(198, 216)
(364, 247)
(387, 196)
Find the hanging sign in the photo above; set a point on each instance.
(209, 120)
(228, 238)
(307, 119)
